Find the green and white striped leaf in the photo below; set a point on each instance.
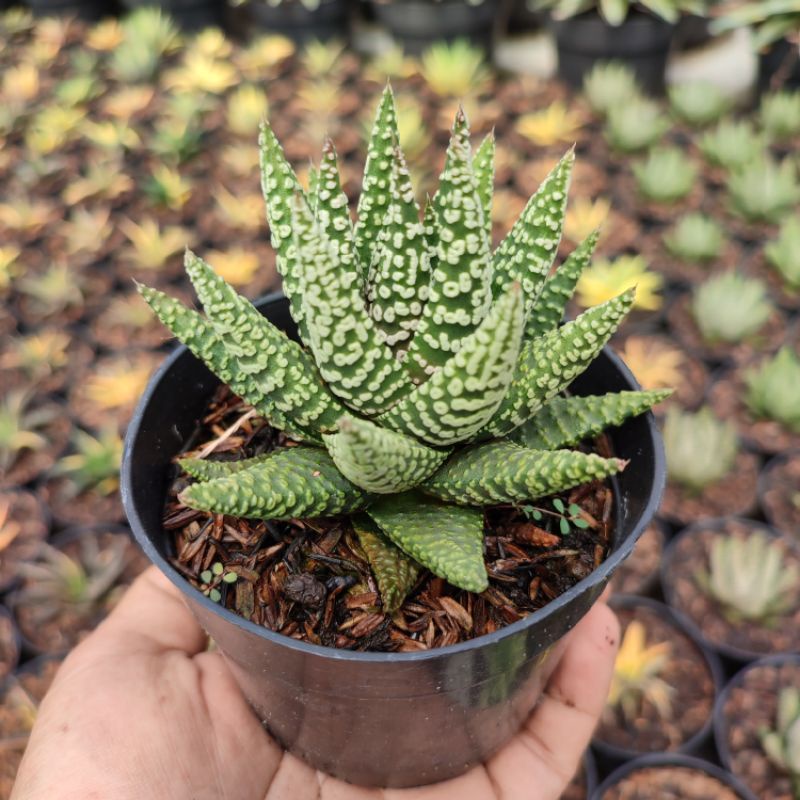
(200, 336)
(375, 190)
(530, 247)
(280, 186)
(548, 365)
(400, 272)
(503, 472)
(205, 469)
(297, 482)
(483, 164)
(460, 286)
(466, 392)
(356, 365)
(380, 460)
(566, 421)
(395, 572)
(448, 540)
(279, 368)
(548, 311)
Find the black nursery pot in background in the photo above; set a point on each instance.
(191, 15)
(290, 18)
(388, 719)
(417, 24)
(642, 42)
(88, 10)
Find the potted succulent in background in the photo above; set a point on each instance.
(637, 34)
(417, 24)
(300, 20)
(400, 462)
(189, 14)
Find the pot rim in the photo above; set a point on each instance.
(597, 576)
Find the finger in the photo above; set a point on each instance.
(151, 617)
(547, 751)
(294, 780)
(474, 785)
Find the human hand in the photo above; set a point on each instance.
(140, 710)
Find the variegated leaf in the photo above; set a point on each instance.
(483, 164)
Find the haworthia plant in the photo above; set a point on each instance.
(429, 377)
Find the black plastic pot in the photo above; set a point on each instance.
(381, 719)
(642, 42)
(191, 15)
(669, 760)
(720, 727)
(691, 31)
(779, 67)
(610, 756)
(293, 20)
(732, 657)
(417, 24)
(83, 9)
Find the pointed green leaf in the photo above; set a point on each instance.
(448, 540)
(565, 421)
(503, 472)
(530, 247)
(280, 186)
(483, 165)
(548, 365)
(379, 460)
(551, 304)
(205, 469)
(280, 368)
(374, 200)
(400, 272)
(200, 336)
(460, 292)
(395, 572)
(296, 482)
(356, 365)
(464, 395)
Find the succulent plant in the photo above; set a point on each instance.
(25, 216)
(635, 125)
(52, 291)
(261, 53)
(732, 143)
(103, 178)
(247, 106)
(764, 190)
(105, 35)
(773, 389)
(610, 84)
(730, 308)
(615, 12)
(236, 266)
(782, 743)
(167, 187)
(654, 363)
(784, 252)
(447, 343)
(201, 72)
(151, 246)
(454, 69)
(240, 210)
(780, 115)
(148, 35)
(116, 384)
(606, 278)
(695, 238)
(127, 101)
(666, 175)
(86, 231)
(38, 355)
(77, 90)
(321, 59)
(391, 63)
(750, 577)
(21, 427)
(84, 584)
(698, 103)
(585, 216)
(113, 136)
(637, 675)
(769, 20)
(52, 128)
(10, 267)
(94, 464)
(551, 125)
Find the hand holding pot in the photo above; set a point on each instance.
(141, 709)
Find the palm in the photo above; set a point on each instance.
(141, 710)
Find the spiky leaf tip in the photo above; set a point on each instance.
(459, 295)
(463, 396)
(548, 312)
(448, 540)
(395, 572)
(565, 421)
(356, 365)
(380, 460)
(295, 482)
(530, 247)
(548, 365)
(503, 472)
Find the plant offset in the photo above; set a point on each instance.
(429, 383)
